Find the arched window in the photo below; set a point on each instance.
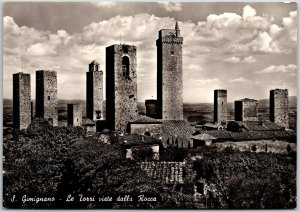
(125, 67)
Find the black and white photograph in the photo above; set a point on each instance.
(149, 105)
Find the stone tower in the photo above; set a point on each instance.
(169, 74)
(46, 96)
(246, 110)
(121, 86)
(21, 100)
(220, 106)
(94, 90)
(74, 115)
(279, 107)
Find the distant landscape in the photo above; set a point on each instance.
(192, 112)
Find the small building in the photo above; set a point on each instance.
(146, 126)
(133, 142)
(89, 125)
(246, 110)
(202, 139)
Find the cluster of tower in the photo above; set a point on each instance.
(247, 109)
(46, 98)
(121, 91)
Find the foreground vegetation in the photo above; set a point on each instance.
(49, 161)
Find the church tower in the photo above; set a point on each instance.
(94, 91)
(169, 74)
(121, 86)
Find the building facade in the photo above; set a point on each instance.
(279, 107)
(220, 106)
(169, 74)
(94, 91)
(246, 110)
(21, 100)
(74, 115)
(46, 96)
(121, 86)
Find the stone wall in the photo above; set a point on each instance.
(46, 96)
(169, 75)
(21, 100)
(121, 91)
(279, 107)
(220, 106)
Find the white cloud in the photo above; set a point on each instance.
(290, 69)
(171, 6)
(248, 12)
(242, 80)
(233, 59)
(249, 59)
(104, 4)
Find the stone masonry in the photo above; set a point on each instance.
(169, 74)
(220, 106)
(246, 110)
(46, 96)
(121, 86)
(279, 107)
(21, 100)
(94, 91)
(74, 115)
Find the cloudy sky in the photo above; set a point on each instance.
(246, 48)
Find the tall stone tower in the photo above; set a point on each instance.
(121, 86)
(21, 100)
(46, 96)
(169, 74)
(279, 107)
(246, 110)
(94, 90)
(220, 106)
(74, 115)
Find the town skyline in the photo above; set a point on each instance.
(257, 52)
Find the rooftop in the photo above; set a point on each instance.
(165, 172)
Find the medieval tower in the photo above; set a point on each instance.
(46, 96)
(94, 91)
(220, 106)
(169, 74)
(121, 86)
(74, 115)
(21, 101)
(279, 107)
(246, 110)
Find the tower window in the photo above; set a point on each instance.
(172, 53)
(48, 97)
(125, 67)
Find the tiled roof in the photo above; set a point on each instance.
(146, 120)
(165, 172)
(88, 122)
(257, 135)
(257, 126)
(203, 137)
(180, 128)
(176, 132)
